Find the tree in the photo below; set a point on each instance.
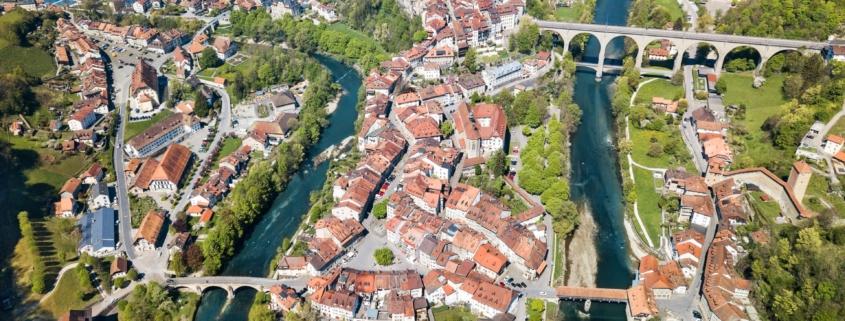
(380, 210)
(383, 256)
(527, 36)
(420, 35)
(497, 164)
(201, 107)
(193, 258)
(132, 274)
(470, 60)
(209, 59)
(655, 150)
(721, 86)
(260, 311)
(678, 77)
(792, 86)
(177, 264)
(446, 128)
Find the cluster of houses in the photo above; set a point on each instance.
(76, 51)
(712, 136)
(160, 41)
(662, 51)
(218, 185)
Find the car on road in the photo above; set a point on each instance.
(542, 293)
(696, 315)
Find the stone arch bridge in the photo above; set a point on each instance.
(232, 284)
(683, 40)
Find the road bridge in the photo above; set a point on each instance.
(683, 40)
(232, 284)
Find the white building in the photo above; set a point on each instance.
(502, 74)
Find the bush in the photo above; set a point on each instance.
(384, 256)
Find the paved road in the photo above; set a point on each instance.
(673, 34)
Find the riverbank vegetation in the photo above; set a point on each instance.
(385, 20)
(352, 47)
(799, 19)
(151, 301)
(254, 194)
(578, 11)
(662, 14)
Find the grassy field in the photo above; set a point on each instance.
(453, 314)
(135, 128)
(34, 61)
(838, 128)
(819, 196)
(659, 88)
(769, 210)
(672, 7)
(761, 103)
(571, 14)
(55, 167)
(647, 198)
(65, 296)
(230, 144)
(641, 142)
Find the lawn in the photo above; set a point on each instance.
(65, 297)
(768, 209)
(838, 128)
(446, 313)
(34, 61)
(135, 128)
(818, 193)
(570, 14)
(761, 103)
(672, 7)
(559, 267)
(660, 88)
(641, 142)
(647, 198)
(230, 144)
(55, 168)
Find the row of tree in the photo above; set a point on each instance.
(253, 195)
(37, 275)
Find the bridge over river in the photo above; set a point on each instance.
(683, 40)
(231, 284)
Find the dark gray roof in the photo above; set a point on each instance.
(283, 98)
(98, 189)
(98, 229)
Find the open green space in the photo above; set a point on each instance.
(135, 128)
(230, 144)
(66, 296)
(760, 103)
(446, 313)
(838, 128)
(647, 198)
(568, 14)
(672, 7)
(819, 196)
(559, 265)
(769, 210)
(658, 88)
(54, 167)
(34, 61)
(641, 140)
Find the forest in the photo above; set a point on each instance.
(384, 20)
(792, 19)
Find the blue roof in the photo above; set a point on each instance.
(98, 229)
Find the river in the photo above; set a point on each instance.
(283, 218)
(595, 170)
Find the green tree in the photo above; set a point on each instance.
(260, 311)
(470, 60)
(527, 36)
(380, 210)
(721, 86)
(420, 35)
(201, 107)
(177, 264)
(209, 59)
(132, 274)
(497, 164)
(384, 256)
(446, 128)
